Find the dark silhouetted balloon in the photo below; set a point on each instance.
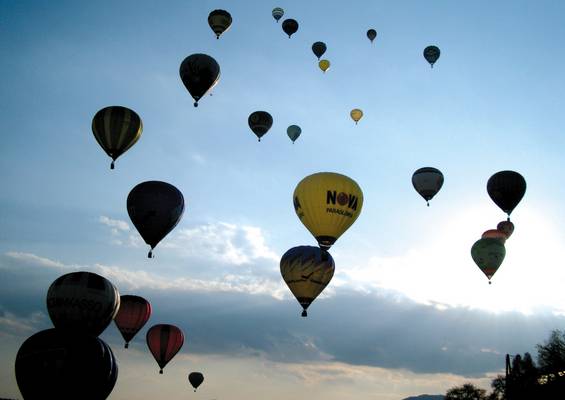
(155, 208)
(293, 132)
(371, 34)
(277, 13)
(220, 21)
(506, 189)
(427, 181)
(290, 26)
(52, 364)
(116, 129)
(319, 48)
(199, 74)
(488, 254)
(134, 312)
(82, 302)
(195, 379)
(307, 270)
(164, 342)
(431, 54)
(260, 122)
(507, 227)
(495, 234)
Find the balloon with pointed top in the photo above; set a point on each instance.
(133, 314)
(155, 208)
(324, 65)
(307, 270)
(427, 181)
(116, 129)
(199, 74)
(431, 54)
(371, 34)
(488, 254)
(290, 26)
(220, 21)
(506, 189)
(260, 122)
(195, 379)
(277, 13)
(356, 115)
(164, 342)
(319, 48)
(293, 132)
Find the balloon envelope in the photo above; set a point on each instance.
(260, 122)
(290, 26)
(195, 379)
(356, 115)
(327, 203)
(427, 181)
(133, 314)
(164, 342)
(155, 208)
(199, 74)
(371, 34)
(307, 270)
(324, 65)
(116, 129)
(495, 234)
(277, 13)
(431, 54)
(319, 48)
(220, 21)
(52, 364)
(506, 189)
(506, 227)
(293, 132)
(488, 254)
(82, 302)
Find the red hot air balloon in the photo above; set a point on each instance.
(134, 312)
(495, 234)
(164, 342)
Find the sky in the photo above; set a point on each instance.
(407, 311)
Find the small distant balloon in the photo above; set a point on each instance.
(371, 34)
(293, 132)
(427, 181)
(506, 189)
(507, 227)
(290, 26)
(356, 115)
(260, 122)
(319, 48)
(199, 74)
(195, 379)
(220, 21)
(164, 342)
(277, 13)
(431, 54)
(324, 65)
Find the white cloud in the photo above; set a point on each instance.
(116, 224)
(21, 326)
(36, 260)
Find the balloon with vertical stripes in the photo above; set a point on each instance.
(116, 129)
(164, 342)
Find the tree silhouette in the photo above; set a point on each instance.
(466, 392)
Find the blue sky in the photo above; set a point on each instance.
(403, 271)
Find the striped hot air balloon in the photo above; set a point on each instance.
(164, 342)
(116, 129)
(133, 314)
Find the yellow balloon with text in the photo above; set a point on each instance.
(327, 203)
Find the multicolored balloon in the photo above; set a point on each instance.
(277, 13)
(488, 254)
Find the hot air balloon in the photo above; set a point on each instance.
(260, 122)
(82, 302)
(164, 342)
(155, 208)
(134, 312)
(293, 132)
(53, 364)
(195, 379)
(277, 13)
(495, 234)
(307, 270)
(488, 254)
(427, 181)
(356, 115)
(319, 48)
(431, 54)
(290, 26)
(324, 65)
(327, 203)
(219, 21)
(507, 227)
(199, 74)
(116, 129)
(371, 34)
(506, 189)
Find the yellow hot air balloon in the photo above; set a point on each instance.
(327, 203)
(356, 115)
(324, 65)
